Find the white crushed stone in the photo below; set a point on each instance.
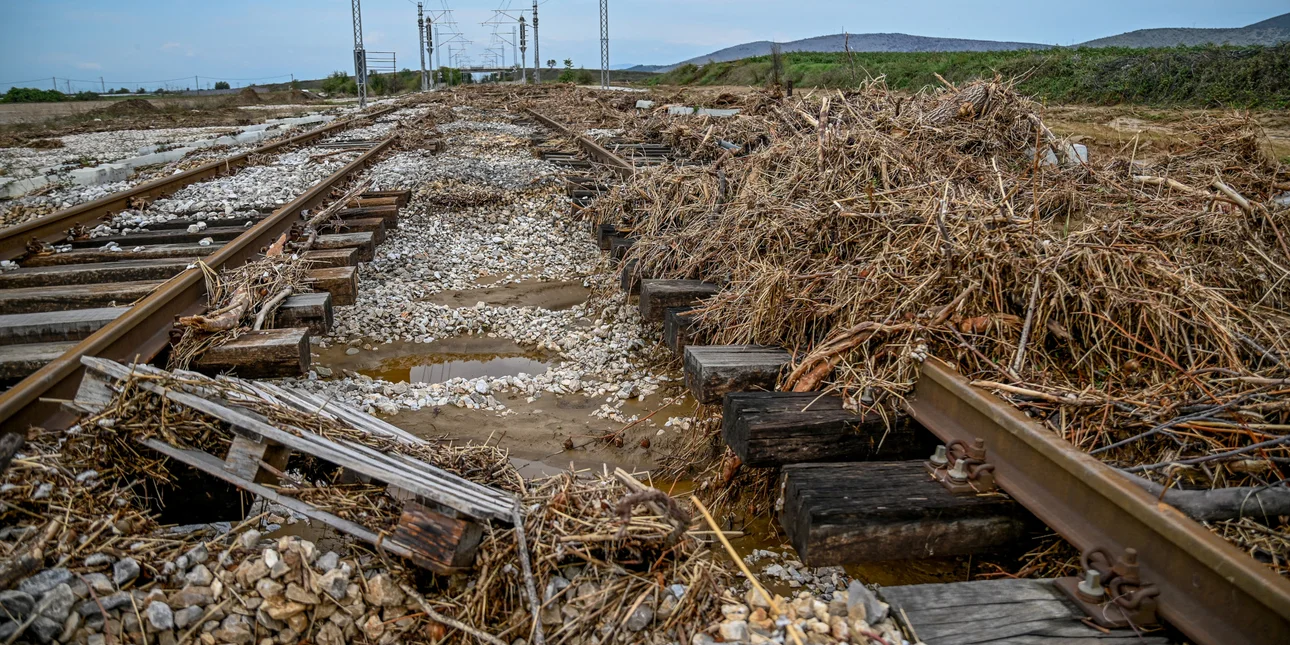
(600, 347)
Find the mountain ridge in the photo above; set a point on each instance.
(1266, 32)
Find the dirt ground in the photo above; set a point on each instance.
(22, 123)
(1114, 127)
(537, 432)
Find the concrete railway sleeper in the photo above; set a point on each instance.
(1146, 561)
(121, 303)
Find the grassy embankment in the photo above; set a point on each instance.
(1192, 76)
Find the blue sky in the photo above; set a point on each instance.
(141, 40)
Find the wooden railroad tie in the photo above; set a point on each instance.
(712, 371)
(998, 612)
(443, 518)
(342, 282)
(847, 513)
(629, 278)
(658, 295)
(265, 353)
(771, 429)
(604, 234)
(677, 332)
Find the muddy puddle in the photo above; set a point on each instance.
(460, 357)
(555, 296)
(537, 434)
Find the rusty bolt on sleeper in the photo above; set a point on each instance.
(1131, 602)
(961, 468)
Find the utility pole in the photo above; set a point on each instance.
(524, 77)
(102, 86)
(196, 85)
(360, 56)
(421, 44)
(430, 52)
(604, 44)
(537, 56)
(438, 60)
(54, 80)
(515, 47)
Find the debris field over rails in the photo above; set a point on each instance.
(1133, 303)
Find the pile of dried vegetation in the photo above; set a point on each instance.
(612, 559)
(1135, 305)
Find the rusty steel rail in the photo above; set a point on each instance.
(143, 331)
(53, 227)
(617, 164)
(1209, 590)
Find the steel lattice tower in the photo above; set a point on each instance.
(537, 56)
(604, 43)
(523, 50)
(421, 45)
(360, 56)
(429, 37)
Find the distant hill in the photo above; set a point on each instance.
(1267, 32)
(857, 43)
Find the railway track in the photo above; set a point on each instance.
(121, 303)
(1153, 554)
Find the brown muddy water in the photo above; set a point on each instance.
(538, 434)
(459, 357)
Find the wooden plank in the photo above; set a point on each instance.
(245, 454)
(677, 322)
(215, 467)
(315, 404)
(326, 258)
(977, 593)
(55, 326)
(361, 201)
(360, 241)
(401, 197)
(267, 353)
(310, 310)
(125, 271)
(848, 513)
(373, 225)
(140, 238)
(658, 295)
(770, 429)
(463, 487)
(388, 214)
(84, 256)
(20, 361)
(340, 282)
(443, 487)
(711, 371)
(438, 542)
(75, 296)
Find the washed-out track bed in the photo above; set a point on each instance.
(960, 472)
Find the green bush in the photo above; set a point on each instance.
(222, 85)
(33, 95)
(1204, 76)
(339, 82)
